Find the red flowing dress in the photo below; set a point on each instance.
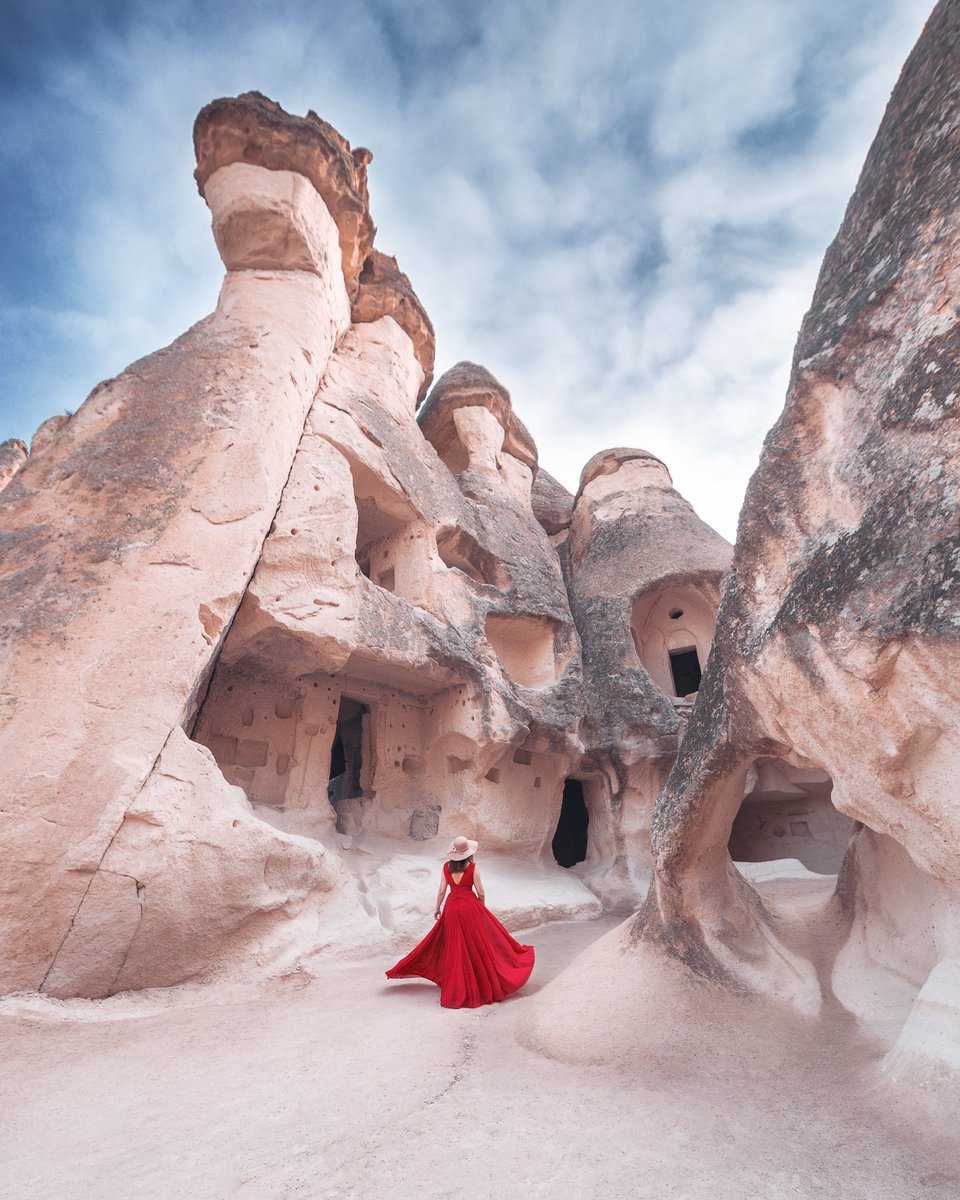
(468, 952)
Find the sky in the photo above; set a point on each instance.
(619, 207)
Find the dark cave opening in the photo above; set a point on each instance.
(346, 753)
(685, 668)
(570, 839)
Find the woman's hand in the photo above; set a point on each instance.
(436, 915)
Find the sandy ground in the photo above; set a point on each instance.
(346, 1085)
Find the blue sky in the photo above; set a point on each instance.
(618, 206)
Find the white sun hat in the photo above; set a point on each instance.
(461, 848)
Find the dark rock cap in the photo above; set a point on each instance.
(468, 385)
(608, 461)
(254, 129)
(386, 292)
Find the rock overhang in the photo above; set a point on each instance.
(467, 385)
(253, 129)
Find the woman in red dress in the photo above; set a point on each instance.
(468, 952)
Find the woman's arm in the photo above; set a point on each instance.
(443, 888)
(478, 886)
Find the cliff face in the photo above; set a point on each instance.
(838, 641)
(837, 651)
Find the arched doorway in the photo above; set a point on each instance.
(672, 630)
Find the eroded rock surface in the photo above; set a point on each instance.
(13, 454)
(47, 431)
(386, 292)
(258, 635)
(272, 636)
(254, 129)
(837, 648)
(464, 399)
(644, 574)
(552, 505)
(404, 656)
(127, 547)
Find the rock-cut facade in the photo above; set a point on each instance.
(280, 618)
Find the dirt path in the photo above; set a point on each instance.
(348, 1086)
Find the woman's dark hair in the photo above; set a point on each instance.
(461, 864)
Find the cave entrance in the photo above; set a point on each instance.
(788, 813)
(672, 630)
(570, 839)
(685, 669)
(346, 754)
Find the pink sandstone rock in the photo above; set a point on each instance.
(386, 292)
(468, 386)
(128, 545)
(47, 431)
(251, 616)
(837, 649)
(273, 636)
(253, 129)
(13, 454)
(644, 580)
(552, 506)
(404, 654)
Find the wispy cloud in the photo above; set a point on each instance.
(619, 208)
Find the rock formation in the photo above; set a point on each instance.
(644, 574)
(13, 454)
(279, 618)
(271, 637)
(405, 639)
(837, 651)
(46, 432)
(129, 542)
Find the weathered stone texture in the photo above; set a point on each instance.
(271, 635)
(247, 538)
(386, 292)
(636, 553)
(838, 640)
(46, 432)
(13, 454)
(253, 129)
(552, 504)
(127, 546)
(398, 594)
(468, 386)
